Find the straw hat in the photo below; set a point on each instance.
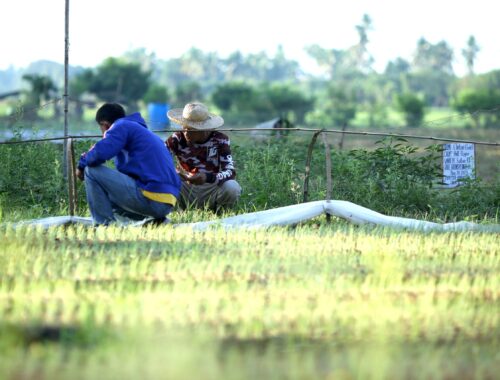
(195, 116)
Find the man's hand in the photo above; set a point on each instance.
(183, 175)
(197, 179)
(80, 174)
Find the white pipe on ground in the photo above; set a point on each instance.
(290, 215)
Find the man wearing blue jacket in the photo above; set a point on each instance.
(146, 183)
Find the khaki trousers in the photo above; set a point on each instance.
(210, 195)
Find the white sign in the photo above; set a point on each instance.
(458, 162)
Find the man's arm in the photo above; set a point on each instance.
(112, 143)
(226, 164)
(172, 144)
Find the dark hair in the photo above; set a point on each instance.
(109, 112)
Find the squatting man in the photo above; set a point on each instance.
(145, 184)
(206, 165)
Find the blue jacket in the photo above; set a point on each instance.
(138, 153)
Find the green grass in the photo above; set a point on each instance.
(333, 301)
(316, 301)
(444, 118)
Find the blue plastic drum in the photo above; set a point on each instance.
(157, 113)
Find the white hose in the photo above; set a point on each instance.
(290, 215)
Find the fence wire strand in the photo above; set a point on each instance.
(436, 122)
(17, 115)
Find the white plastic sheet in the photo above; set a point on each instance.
(294, 214)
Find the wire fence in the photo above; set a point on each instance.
(312, 130)
(69, 154)
(20, 112)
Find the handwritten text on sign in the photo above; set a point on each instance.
(458, 162)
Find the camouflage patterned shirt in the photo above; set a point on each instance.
(213, 157)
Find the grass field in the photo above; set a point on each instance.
(313, 302)
(318, 301)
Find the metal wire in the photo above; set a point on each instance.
(23, 111)
(440, 121)
(314, 130)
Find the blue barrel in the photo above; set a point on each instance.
(157, 113)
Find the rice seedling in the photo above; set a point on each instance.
(305, 302)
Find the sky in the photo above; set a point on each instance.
(33, 30)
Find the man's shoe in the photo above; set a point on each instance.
(155, 222)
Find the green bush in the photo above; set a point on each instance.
(481, 105)
(31, 177)
(391, 179)
(412, 107)
(474, 199)
(32, 181)
(395, 179)
(268, 175)
(156, 94)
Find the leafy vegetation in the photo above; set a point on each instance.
(412, 107)
(473, 102)
(395, 178)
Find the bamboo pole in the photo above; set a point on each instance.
(308, 164)
(72, 195)
(328, 168)
(65, 96)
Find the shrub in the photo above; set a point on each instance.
(268, 175)
(476, 103)
(31, 176)
(412, 107)
(393, 178)
(32, 181)
(473, 199)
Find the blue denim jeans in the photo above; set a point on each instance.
(110, 192)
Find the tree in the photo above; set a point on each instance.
(194, 66)
(336, 108)
(280, 68)
(470, 54)
(434, 57)
(345, 64)
(337, 64)
(286, 101)
(412, 107)
(244, 103)
(148, 61)
(479, 103)
(363, 57)
(433, 84)
(186, 92)
(396, 75)
(432, 72)
(42, 88)
(120, 81)
(233, 95)
(79, 85)
(252, 67)
(239, 102)
(156, 93)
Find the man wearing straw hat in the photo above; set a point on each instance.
(206, 166)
